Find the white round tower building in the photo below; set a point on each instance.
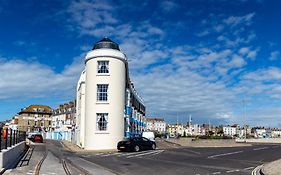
(105, 91)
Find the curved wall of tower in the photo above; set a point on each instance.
(105, 99)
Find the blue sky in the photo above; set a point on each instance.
(190, 57)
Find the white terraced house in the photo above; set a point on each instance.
(108, 106)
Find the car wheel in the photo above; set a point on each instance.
(153, 146)
(136, 148)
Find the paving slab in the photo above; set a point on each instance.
(29, 161)
(51, 166)
(272, 168)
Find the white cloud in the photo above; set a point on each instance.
(264, 116)
(237, 62)
(237, 20)
(252, 54)
(172, 90)
(168, 6)
(203, 33)
(275, 55)
(219, 28)
(244, 50)
(88, 15)
(24, 43)
(268, 74)
(248, 52)
(24, 79)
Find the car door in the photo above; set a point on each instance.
(145, 143)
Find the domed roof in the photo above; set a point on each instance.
(106, 43)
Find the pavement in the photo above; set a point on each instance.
(272, 168)
(28, 162)
(48, 157)
(190, 142)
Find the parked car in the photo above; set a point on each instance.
(36, 138)
(136, 144)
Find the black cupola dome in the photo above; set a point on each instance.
(106, 43)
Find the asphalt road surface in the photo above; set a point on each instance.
(192, 161)
(181, 161)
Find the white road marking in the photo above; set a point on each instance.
(86, 155)
(230, 171)
(132, 153)
(249, 168)
(256, 149)
(147, 153)
(217, 172)
(106, 155)
(99, 154)
(225, 154)
(257, 169)
(160, 151)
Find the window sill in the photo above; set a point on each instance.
(103, 74)
(101, 103)
(101, 132)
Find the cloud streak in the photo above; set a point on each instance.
(23, 79)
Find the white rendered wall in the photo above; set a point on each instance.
(80, 110)
(116, 80)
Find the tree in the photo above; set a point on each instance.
(210, 133)
(220, 133)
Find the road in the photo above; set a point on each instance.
(191, 161)
(182, 161)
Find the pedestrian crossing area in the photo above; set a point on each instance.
(126, 154)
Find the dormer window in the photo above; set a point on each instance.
(103, 67)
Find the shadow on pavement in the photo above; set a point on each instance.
(26, 158)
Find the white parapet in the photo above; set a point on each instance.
(11, 155)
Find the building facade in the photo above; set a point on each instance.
(175, 130)
(35, 118)
(194, 130)
(63, 123)
(156, 124)
(230, 130)
(276, 133)
(63, 118)
(108, 106)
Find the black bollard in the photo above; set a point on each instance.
(1, 139)
(11, 137)
(14, 137)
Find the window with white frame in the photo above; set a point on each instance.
(102, 92)
(103, 67)
(102, 120)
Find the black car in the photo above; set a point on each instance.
(136, 144)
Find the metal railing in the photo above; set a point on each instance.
(10, 137)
